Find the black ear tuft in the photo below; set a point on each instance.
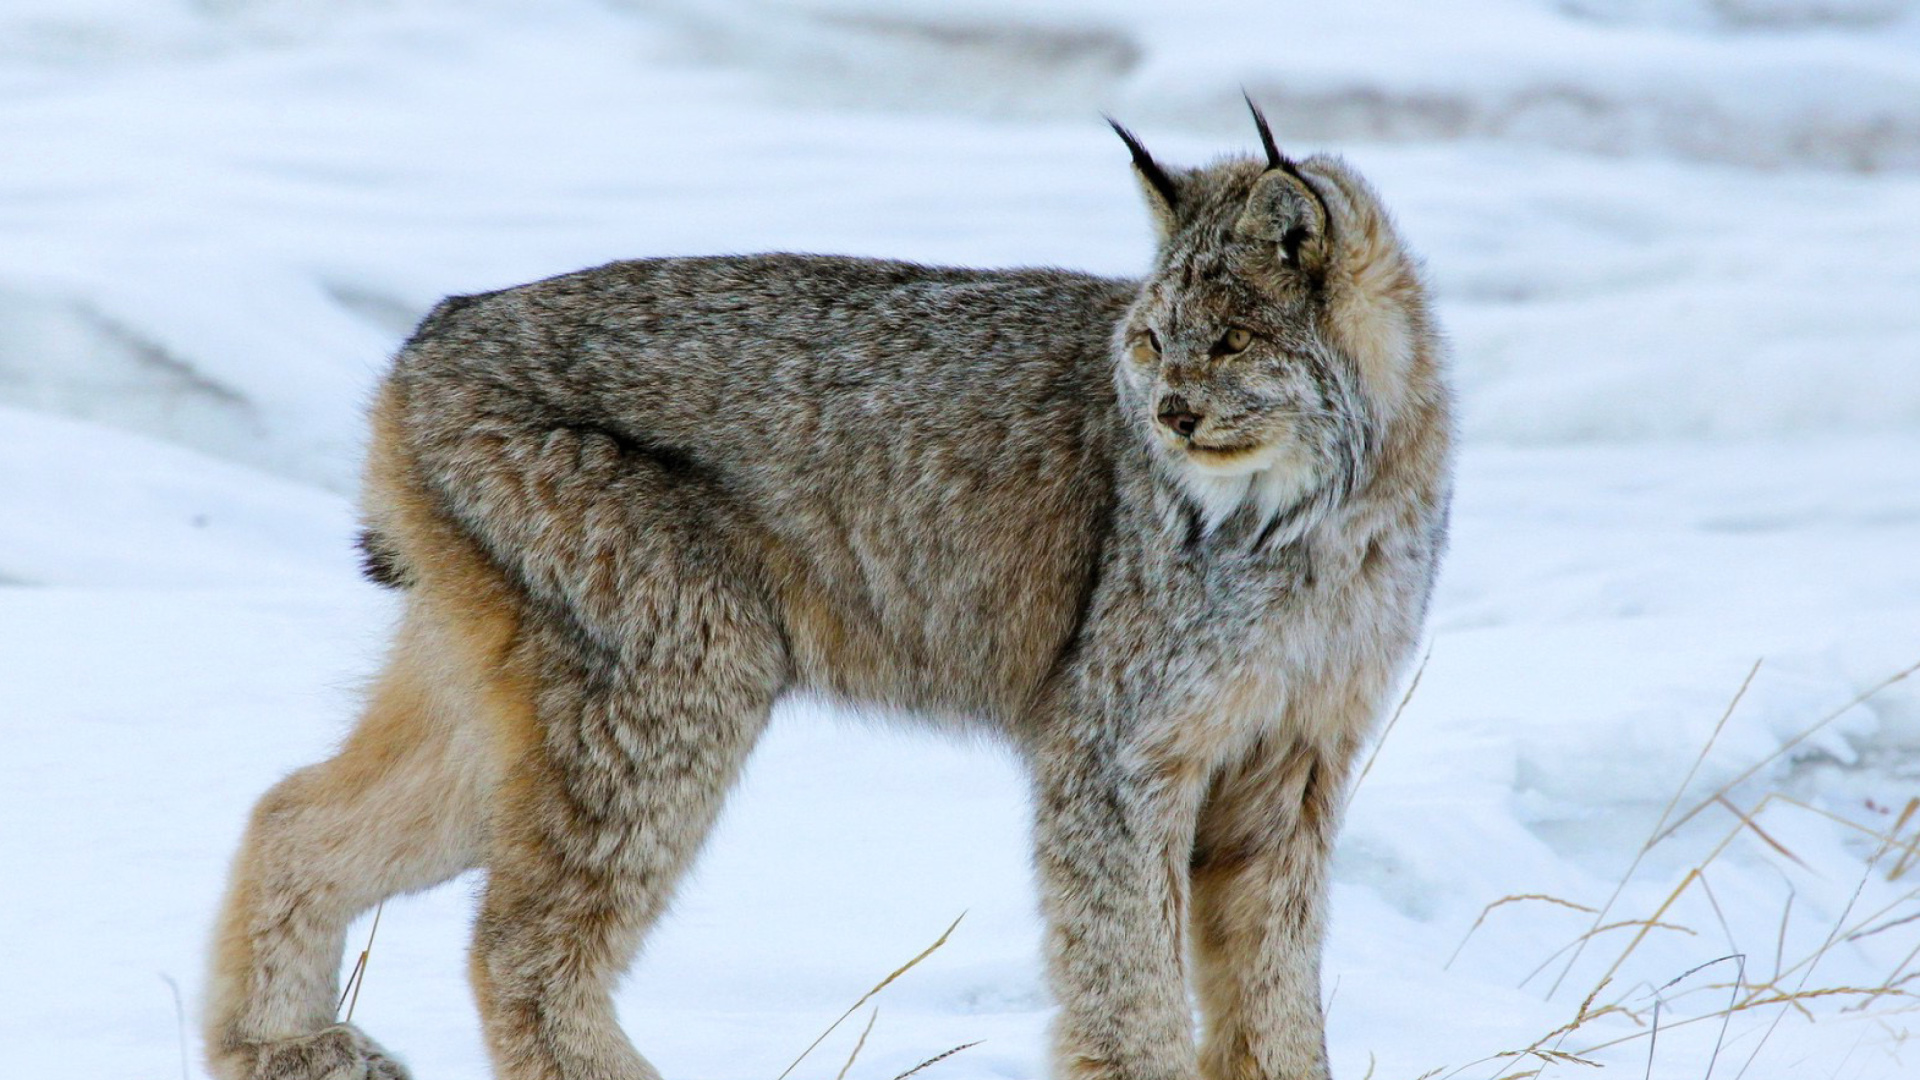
(1274, 159)
(380, 563)
(1150, 170)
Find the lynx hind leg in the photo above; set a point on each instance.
(642, 674)
(616, 789)
(398, 809)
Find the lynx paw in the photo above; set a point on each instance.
(341, 1052)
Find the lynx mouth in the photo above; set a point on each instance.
(1229, 458)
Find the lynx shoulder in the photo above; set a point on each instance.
(1172, 538)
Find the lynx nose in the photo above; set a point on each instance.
(1178, 416)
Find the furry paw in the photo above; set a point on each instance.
(341, 1052)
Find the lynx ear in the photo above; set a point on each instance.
(1163, 197)
(1285, 209)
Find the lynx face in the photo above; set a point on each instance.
(1248, 364)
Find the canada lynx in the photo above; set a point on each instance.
(1172, 538)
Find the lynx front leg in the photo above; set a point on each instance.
(618, 772)
(1259, 909)
(1113, 838)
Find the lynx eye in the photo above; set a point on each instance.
(1234, 340)
(1146, 348)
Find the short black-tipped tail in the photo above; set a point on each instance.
(379, 562)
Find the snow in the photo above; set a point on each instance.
(1674, 249)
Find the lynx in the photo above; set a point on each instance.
(1172, 538)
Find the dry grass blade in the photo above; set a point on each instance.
(1849, 932)
(1388, 730)
(1783, 998)
(1896, 852)
(1898, 976)
(1746, 822)
(359, 973)
(180, 1016)
(1883, 927)
(1534, 1053)
(1780, 942)
(1514, 899)
(1653, 1038)
(1833, 935)
(1645, 925)
(353, 983)
(858, 1046)
(1540, 1051)
(1909, 849)
(1739, 981)
(937, 1058)
(1652, 921)
(1746, 819)
(868, 996)
(1660, 830)
(1826, 991)
(1718, 915)
(1586, 1017)
(1890, 839)
(1788, 746)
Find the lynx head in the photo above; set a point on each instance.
(1280, 337)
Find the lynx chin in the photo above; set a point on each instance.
(1172, 538)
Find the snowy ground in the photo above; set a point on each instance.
(1675, 245)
